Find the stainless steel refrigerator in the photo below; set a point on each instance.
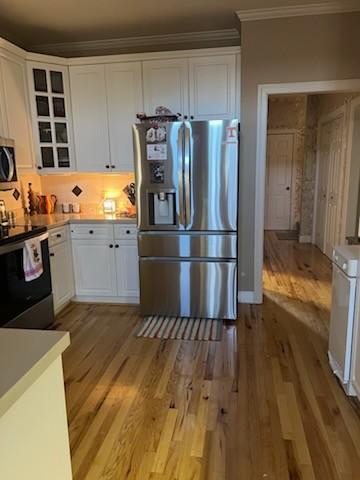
(187, 196)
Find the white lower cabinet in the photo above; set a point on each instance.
(106, 269)
(94, 268)
(127, 268)
(61, 266)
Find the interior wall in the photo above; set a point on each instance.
(309, 170)
(288, 112)
(297, 49)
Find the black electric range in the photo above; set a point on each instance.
(10, 234)
(24, 303)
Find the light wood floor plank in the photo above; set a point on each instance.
(260, 404)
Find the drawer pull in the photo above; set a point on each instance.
(107, 166)
(111, 245)
(116, 246)
(91, 231)
(52, 254)
(58, 235)
(128, 231)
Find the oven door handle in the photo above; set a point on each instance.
(12, 247)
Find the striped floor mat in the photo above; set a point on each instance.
(180, 328)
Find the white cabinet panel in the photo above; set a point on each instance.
(124, 92)
(127, 268)
(15, 100)
(89, 103)
(50, 104)
(212, 87)
(94, 268)
(166, 84)
(61, 274)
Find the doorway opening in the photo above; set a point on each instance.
(312, 168)
(312, 182)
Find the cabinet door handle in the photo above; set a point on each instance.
(39, 168)
(116, 246)
(113, 166)
(111, 245)
(107, 166)
(91, 231)
(192, 117)
(52, 254)
(128, 231)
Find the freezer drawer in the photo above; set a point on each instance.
(188, 288)
(188, 245)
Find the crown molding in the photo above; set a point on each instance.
(123, 45)
(297, 11)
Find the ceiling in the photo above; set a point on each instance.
(36, 22)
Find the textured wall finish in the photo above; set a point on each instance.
(309, 170)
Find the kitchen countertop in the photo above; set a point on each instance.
(58, 219)
(24, 356)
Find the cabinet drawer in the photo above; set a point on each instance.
(95, 230)
(58, 235)
(125, 231)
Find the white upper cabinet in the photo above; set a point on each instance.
(124, 94)
(89, 103)
(15, 110)
(212, 81)
(166, 84)
(51, 117)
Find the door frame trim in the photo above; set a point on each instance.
(264, 90)
(329, 117)
(355, 103)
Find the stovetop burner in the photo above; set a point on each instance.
(10, 234)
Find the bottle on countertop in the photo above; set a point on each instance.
(32, 200)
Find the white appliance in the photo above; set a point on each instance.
(344, 312)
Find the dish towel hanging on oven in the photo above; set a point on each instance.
(33, 266)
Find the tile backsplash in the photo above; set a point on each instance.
(94, 188)
(17, 205)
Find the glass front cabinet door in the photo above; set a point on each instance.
(51, 117)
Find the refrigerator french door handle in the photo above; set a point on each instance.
(180, 152)
(187, 176)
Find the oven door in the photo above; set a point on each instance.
(16, 295)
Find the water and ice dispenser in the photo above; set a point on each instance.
(162, 208)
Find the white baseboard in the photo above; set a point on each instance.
(109, 300)
(246, 297)
(305, 239)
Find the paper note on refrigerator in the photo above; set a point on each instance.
(157, 151)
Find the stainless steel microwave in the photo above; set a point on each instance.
(8, 175)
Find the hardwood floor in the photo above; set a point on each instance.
(260, 404)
